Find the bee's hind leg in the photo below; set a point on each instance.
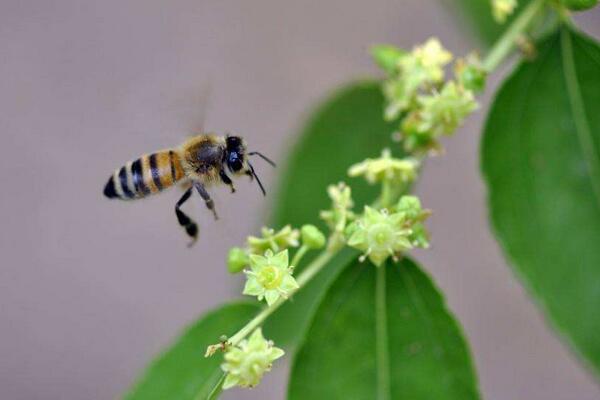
(226, 180)
(210, 204)
(186, 222)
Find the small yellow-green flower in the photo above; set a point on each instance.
(275, 241)
(386, 168)
(246, 363)
(270, 276)
(502, 9)
(432, 57)
(380, 235)
(423, 66)
(441, 113)
(341, 205)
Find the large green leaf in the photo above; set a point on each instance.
(478, 14)
(345, 129)
(541, 162)
(386, 334)
(182, 372)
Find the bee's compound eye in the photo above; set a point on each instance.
(234, 162)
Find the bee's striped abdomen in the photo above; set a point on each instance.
(149, 174)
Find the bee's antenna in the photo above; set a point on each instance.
(257, 180)
(252, 153)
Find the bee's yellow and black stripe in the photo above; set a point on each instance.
(149, 174)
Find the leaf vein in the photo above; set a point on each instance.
(580, 120)
(432, 332)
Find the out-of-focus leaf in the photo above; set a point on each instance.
(541, 162)
(478, 14)
(425, 355)
(345, 129)
(182, 372)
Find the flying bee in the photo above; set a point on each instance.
(201, 161)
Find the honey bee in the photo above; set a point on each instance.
(201, 161)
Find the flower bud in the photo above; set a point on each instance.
(340, 213)
(470, 74)
(312, 237)
(387, 57)
(410, 206)
(237, 260)
(275, 241)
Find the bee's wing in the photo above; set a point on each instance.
(183, 112)
(192, 107)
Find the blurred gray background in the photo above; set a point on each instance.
(91, 290)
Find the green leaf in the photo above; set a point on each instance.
(182, 372)
(541, 162)
(345, 129)
(383, 333)
(478, 14)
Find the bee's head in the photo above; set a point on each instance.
(237, 163)
(235, 155)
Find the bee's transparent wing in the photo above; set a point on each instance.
(191, 109)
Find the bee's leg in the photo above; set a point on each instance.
(210, 204)
(186, 222)
(226, 180)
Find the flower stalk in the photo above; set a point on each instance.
(508, 40)
(393, 224)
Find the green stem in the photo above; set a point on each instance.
(309, 272)
(381, 334)
(386, 194)
(506, 43)
(298, 256)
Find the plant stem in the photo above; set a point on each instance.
(298, 256)
(309, 272)
(386, 194)
(505, 44)
(381, 335)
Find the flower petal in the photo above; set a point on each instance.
(252, 287)
(271, 296)
(281, 260)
